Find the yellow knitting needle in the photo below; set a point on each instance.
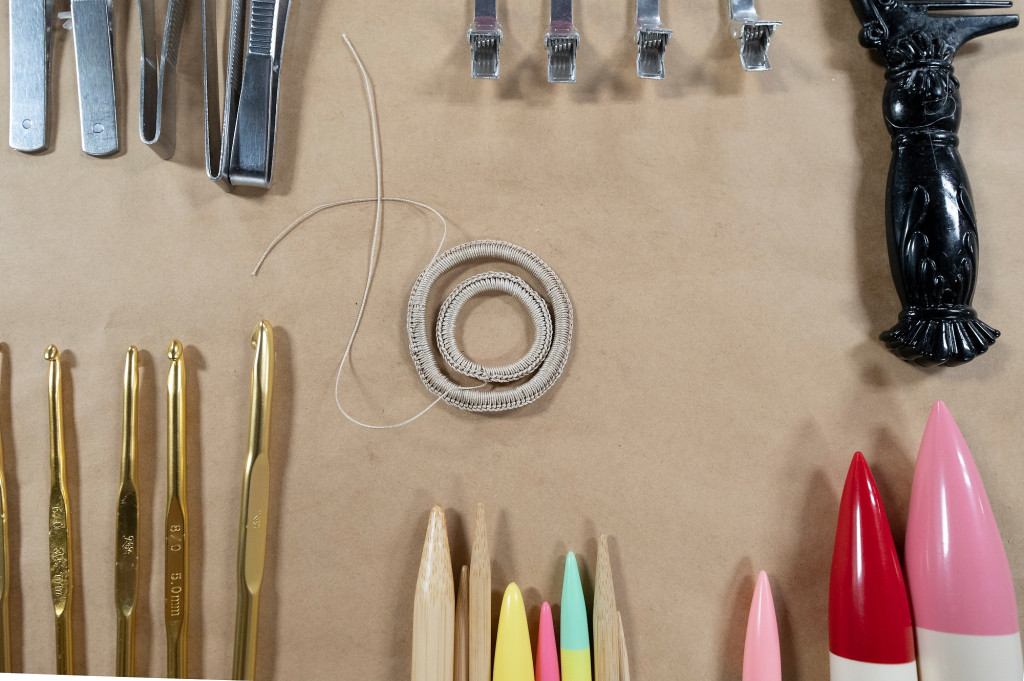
(60, 520)
(252, 527)
(176, 528)
(5, 575)
(126, 544)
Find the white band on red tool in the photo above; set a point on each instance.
(843, 669)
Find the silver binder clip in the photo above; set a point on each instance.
(92, 24)
(485, 40)
(31, 27)
(562, 42)
(753, 34)
(651, 40)
(242, 151)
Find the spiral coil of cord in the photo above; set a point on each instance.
(546, 357)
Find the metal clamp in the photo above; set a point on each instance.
(243, 152)
(485, 40)
(562, 42)
(753, 34)
(651, 40)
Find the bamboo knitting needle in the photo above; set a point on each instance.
(462, 627)
(433, 625)
(252, 527)
(623, 655)
(126, 554)
(606, 627)
(60, 520)
(480, 602)
(176, 527)
(5, 576)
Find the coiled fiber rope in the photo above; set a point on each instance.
(552, 339)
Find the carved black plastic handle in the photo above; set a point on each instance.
(929, 214)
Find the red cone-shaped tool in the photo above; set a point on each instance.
(871, 636)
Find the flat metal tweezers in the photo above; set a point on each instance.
(92, 25)
(31, 27)
(242, 151)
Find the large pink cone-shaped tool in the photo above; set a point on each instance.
(961, 591)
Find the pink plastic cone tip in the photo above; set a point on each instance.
(761, 658)
(547, 651)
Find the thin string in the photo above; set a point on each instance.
(550, 356)
(379, 200)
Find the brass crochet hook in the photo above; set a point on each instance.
(176, 535)
(126, 550)
(252, 528)
(60, 519)
(5, 575)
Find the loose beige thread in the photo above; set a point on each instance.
(547, 356)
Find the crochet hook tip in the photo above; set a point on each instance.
(261, 329)
(174, 350)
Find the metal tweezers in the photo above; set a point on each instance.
(242, 153)
(31, 26)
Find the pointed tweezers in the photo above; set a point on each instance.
(241, 152)
(252, 526)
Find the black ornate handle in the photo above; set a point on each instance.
(929, 213)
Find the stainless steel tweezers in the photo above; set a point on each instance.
(242, 152)
(31, 26)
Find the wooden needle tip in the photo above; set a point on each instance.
(437, 520)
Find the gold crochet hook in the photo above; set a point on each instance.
(176, 528)
(60, 519)
(5, 574)
(252, 527)
(126, 549)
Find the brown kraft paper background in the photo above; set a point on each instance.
(721, 235)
